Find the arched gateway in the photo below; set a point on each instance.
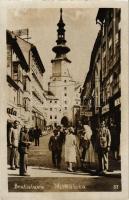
(65, 121)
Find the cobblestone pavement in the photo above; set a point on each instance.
(43, 178)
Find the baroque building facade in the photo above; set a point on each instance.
(101, 92)
(24, 82)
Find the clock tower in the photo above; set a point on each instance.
(61, 83)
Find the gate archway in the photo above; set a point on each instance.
(65, 121)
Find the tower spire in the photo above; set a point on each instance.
(61, 48)
(61, 12)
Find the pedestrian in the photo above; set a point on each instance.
(90, 154)
(55, 146)
(104, 143)
(31, 134)
(13, 140)
(24, 144)
(61, 134)
(114, 140)
(37, 134)
(83, 146)
(70, 149)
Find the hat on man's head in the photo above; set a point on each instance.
(55, 131)
(16, 121)
(71, 130)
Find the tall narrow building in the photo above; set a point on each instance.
(61, 83)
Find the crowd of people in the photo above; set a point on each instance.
(82, 150)
(91, 152)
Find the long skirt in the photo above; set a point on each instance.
(90, 155)
(70, 154)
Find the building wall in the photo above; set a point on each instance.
(37, 98)
(16, 97)
(53, 111)
(25, 90)
(102, 85)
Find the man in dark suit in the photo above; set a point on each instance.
(55, 146)
(104, 143)
(23, 150)
(37, 134)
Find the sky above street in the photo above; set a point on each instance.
(81, 31)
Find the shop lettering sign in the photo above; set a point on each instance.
(105, 109)
(87, 113)
(117, 102)
(11, 111)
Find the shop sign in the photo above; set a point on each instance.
(105, 109)
(118, 101)
(96, 110)
(11, 111)
(87, 113)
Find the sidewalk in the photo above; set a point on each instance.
(37, 171)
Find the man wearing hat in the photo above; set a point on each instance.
(14, 134)
(55, 146)
(104, 143)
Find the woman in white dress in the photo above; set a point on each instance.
(70, 149)
(90, 155)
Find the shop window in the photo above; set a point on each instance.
(26, 84)
(15, 70)
(19, 98)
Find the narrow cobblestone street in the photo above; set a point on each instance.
(43, 176)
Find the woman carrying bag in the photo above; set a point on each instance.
(89, 159)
